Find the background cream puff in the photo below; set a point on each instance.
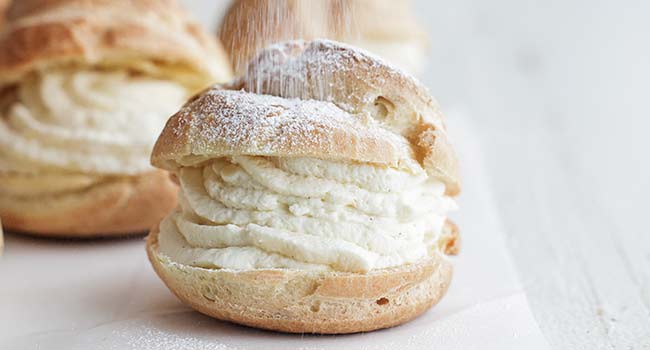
(314, 195)
(85, 87)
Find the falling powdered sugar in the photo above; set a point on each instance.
(325, 70)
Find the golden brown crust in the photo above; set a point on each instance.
(42, 33)
(357, 83)
(220, 123)
(251, 25)
(118, 207)
(299, 301)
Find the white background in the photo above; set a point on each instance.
(559, 93)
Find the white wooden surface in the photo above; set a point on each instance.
(560, 91)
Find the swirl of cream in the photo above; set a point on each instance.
(101, 122)
(256, 212)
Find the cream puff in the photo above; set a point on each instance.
(85, 88)
(386, 28)
(314, 195)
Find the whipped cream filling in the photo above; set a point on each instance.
(61, 123)
(262, 212)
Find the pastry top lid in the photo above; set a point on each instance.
(151, 36)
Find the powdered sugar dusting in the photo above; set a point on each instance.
(315, 99)
(250, 26)
(250, 123)
(325, 70)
